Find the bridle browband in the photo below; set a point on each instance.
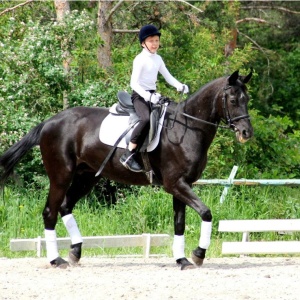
(228, 120)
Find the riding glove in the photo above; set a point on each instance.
(184, 88)
(155, 98)
(148, 96)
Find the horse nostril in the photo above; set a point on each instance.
(245, 133)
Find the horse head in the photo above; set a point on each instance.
(235, 106)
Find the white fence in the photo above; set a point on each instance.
(145, 240)
(263, 247)
(248, 226)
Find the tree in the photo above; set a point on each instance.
(62, 8)
(104, 25)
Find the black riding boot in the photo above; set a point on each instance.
(128, 161)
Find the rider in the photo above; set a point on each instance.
(146, 66)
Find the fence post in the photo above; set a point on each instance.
(147, 244)
(230, 179)
(38, 246)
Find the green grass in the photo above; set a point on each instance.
(146, 210)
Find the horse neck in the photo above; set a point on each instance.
(206, 103)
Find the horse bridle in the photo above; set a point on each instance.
(228, 120)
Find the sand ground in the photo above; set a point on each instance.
(231, 278)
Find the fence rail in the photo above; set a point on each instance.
(249, 182)
(260, 247)
(145, 240)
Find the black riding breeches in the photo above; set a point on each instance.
(142, 108)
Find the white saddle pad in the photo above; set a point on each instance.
(114, 126)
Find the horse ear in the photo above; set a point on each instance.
(233, 78)
(247, 78)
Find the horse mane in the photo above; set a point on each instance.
(205, 87)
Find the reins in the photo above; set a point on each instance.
(229, 121)
(176, 110)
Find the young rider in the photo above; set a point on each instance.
(146, 66)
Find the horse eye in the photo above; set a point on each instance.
(232, 99)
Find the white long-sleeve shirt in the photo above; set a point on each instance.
(146, 66)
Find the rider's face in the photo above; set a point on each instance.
(151, 43)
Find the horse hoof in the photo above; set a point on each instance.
(197, 260)
(73, 260)
(75, 254)
(184, 264)
(59, 263)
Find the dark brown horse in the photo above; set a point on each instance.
(72, 153)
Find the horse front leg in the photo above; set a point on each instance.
(179, 240)
(182, 192)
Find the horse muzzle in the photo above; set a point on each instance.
(243, 133)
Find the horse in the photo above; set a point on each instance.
(72, 154)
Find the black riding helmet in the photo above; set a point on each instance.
(148, 30)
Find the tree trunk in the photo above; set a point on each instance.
(230, 47)
(62, 7)
(105, 32)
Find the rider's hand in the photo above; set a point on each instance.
(183, 88)
(155, 98)
(148, 96)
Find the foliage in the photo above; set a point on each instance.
(277, 40)
(274, 152)
(32, 80)
(286, 98)
(275, 148)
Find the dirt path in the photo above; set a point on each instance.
(153, 278)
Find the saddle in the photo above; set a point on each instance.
(125, 107)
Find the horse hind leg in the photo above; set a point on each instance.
(81, 186)
(76, 239)
(50, 214)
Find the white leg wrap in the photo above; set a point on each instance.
(205, 235)
(178, 246)
(72, 229)
(51, 244)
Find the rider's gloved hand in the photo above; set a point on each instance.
(155, 98)
(148, 96)
(183, 88)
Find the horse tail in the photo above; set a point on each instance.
(10, 158)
